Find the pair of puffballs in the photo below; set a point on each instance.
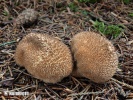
(50, 60)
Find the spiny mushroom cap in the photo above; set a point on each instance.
(45, 57)
(28, 16)
(95, 56)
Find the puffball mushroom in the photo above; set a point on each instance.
(28, 16)
(44, 56)
(95, 56)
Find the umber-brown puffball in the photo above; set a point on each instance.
(28, 16)
(95, 56)
(45, 57)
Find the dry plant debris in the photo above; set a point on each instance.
(62, 22)
(95, 56)
(45, 57)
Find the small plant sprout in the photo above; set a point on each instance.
(108, 30)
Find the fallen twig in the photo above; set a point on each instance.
(122, 83)
(6, 43)
(6, 80)
(87, 93)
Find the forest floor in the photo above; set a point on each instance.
(63, 21)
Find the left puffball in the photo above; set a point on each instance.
(45, 57)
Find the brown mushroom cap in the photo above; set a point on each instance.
(95, 56)
(45, 57)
